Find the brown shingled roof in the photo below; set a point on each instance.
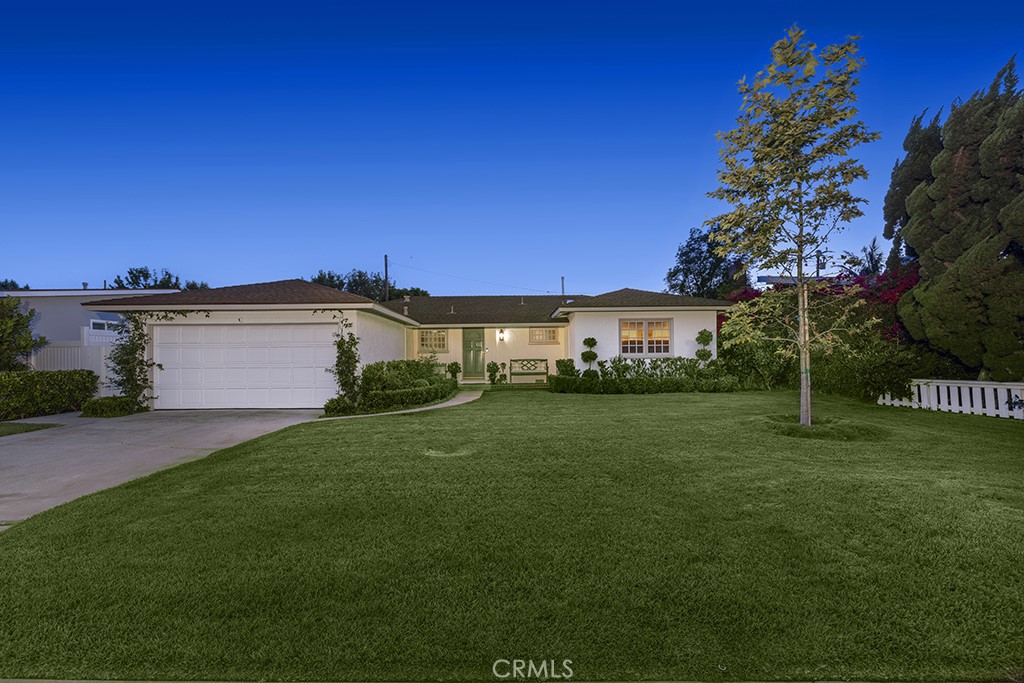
(480, 310)
(269, 293)
(630, 298)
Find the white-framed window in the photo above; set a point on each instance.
(101, 325)
(543, 335)
(645, 337)
(433, 341)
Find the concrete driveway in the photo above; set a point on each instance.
(42, 469)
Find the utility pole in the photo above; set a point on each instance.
(563, 288)
(387, 282)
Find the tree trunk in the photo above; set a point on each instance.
(804, 346)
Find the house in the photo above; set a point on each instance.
(78, 338)
(268, 345)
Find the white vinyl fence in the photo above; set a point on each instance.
(74, 356)
(961, 396)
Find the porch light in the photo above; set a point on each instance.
(501, 334)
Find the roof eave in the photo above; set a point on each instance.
(565, 310)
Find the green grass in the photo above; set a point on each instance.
(8, 428)
(642, 537)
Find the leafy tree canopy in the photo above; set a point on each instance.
(967, 225)
(701, 271)
(16, 340)
(364, 283)
(922, 144)
(8, 285)
(146, 278)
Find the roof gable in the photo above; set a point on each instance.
(641, 298)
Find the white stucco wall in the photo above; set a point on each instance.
(604, 327)
(62, 318)
(379, 338)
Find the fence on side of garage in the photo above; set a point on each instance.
(74, 356)
(995, 399)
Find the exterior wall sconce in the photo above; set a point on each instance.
(501, 334)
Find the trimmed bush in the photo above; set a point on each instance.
(339, 405)
(389, 375)
(642, 385)
(401, 399)
(566, 367)
(112, 406)
(45, 392)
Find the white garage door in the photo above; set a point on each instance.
(244, 366)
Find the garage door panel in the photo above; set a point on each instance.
(240, 366)
(192, 335)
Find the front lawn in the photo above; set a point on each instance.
(677, 536)
(8, 428)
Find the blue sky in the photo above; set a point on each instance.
(487, 147)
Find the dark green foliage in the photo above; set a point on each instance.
(111, 406)
(346, 361)
(454, 368)
(868, 263)
(7, 285)
(759, 365)
(588, 357)
(922, 144)
(589, 374)
(401, 399)
(389, 375)
(645, 385)
(968, 228)
(566, 367)
(147, 278)
(128, 362)
(45, 392)
(338, 406)
(496, 373)
(700, 271)
(16, 340)
(590, 342)
(369, 284)
(703, 353)
(196, 284)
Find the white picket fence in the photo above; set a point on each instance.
(961, 396)
(74, 356)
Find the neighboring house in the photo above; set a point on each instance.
(268, 345)
(78, 338)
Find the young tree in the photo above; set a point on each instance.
(787, 171)
(328, 278)
(146, 278)
(868, 262)
(16, 340)
(700, 271)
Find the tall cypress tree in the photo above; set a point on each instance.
(968, 227)
(922, 144)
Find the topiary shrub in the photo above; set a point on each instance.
(496, 373)
(454, 369)
(32, 393)
(591, 374)
(590, 355)
(112, 406)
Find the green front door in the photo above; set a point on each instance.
(473, 353)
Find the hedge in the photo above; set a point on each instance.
(645, 385)
(31, 393)
(112, 406)
(400, 399)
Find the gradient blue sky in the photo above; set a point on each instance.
(486, 147)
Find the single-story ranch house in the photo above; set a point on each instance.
(268, 345)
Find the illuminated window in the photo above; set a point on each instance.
(645, 337)
(543, 335)
(433, 341)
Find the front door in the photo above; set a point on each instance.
(473, 353)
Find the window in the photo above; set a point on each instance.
(650, 337)
(100, 325)
(433, 341)
(543, 335)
